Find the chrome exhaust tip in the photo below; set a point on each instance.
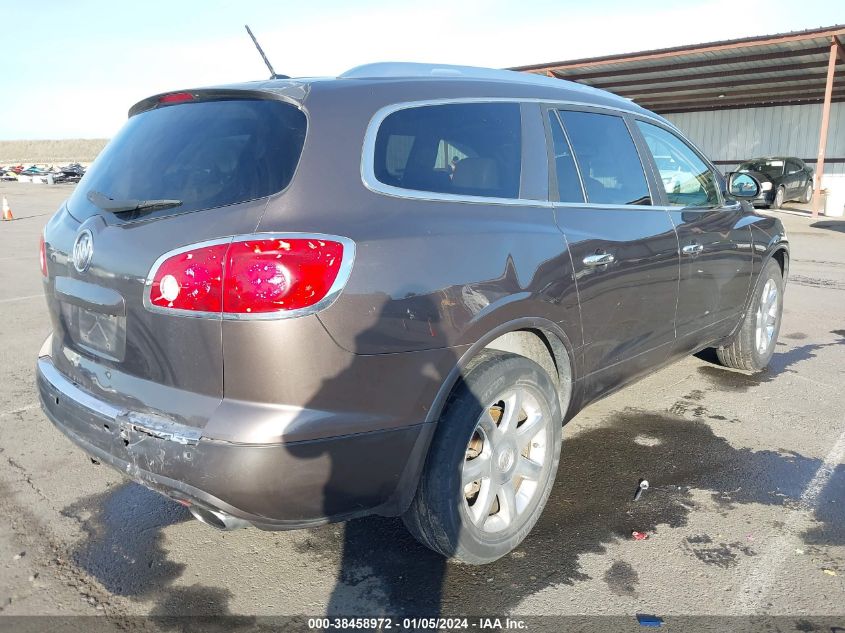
(217, 519)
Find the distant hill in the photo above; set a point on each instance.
(78, 150)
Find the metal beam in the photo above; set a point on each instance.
(728, 96)
(750, 102)
(719, 85)
(828, 95)
(790, 99)
(692, 50)
(700, 63)
(663, 79)
(704, 107)
(736, 161)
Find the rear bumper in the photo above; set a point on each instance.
(272, 486)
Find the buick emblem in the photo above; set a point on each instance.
(83, 250)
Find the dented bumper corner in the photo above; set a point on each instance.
(272, 486)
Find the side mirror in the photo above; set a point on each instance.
(742, 185)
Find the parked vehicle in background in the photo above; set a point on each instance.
(72, 172)
(296, 301)
(782, 179)
(43, 174)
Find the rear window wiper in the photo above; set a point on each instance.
(116, 206)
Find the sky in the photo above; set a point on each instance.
(72, 69)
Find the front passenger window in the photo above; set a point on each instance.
(687, 179)
(607, 158)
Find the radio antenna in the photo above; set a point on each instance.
(273, 74)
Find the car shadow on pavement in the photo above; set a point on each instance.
(830, 225)
(123, 544)
(382, 570)
(123, 550)
(781, 362)
(198, 608)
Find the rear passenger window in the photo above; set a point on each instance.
(687, 179)
(607, 157)
(463, 148)
(568, 183)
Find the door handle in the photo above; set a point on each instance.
(692, 249)
(599, 259)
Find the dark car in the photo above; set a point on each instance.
(781, 179)
(296, 301)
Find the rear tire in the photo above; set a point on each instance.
(492, 463)
(754, 343)
(780, 198)
(808, 194)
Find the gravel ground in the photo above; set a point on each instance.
(745, 514)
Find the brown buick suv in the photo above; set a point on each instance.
(294, 301)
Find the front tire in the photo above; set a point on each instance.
(754, 344)
(492, 462)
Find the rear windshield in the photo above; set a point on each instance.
(206, 154)
(771, 168)
(463, 149)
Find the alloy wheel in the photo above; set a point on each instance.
(507, 460)
(767, 315)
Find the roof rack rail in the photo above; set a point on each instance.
(395, 70)
(405, 70)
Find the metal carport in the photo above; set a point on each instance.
(768, 95)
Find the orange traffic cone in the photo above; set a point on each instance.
(7, 212)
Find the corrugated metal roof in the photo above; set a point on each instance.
(782, 69)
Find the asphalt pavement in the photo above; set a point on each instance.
(745, 514)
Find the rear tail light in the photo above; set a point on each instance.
(176, 97)
(191, 280)
(280, 274)
(42, 254)
(254, 276)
